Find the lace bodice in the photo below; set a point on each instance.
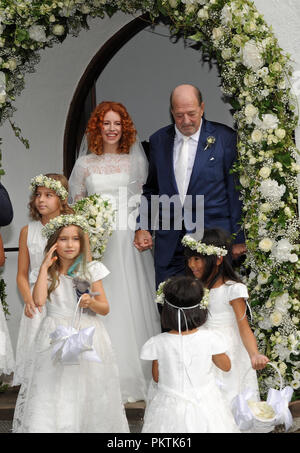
(99, 174)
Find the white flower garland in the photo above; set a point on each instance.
(50, 183)
(202, 248)
(62, 221)
(160, 297)
(255, 76)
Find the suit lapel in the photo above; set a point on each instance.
(202, 155)
(169, 158)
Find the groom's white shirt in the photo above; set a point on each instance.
(193, 144)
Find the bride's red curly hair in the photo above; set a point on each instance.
(93, 130)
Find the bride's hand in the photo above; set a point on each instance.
(143, 240)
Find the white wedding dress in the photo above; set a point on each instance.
(130, 287)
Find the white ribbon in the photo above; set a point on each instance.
(279, 400)
(69, 344)
(241, 411)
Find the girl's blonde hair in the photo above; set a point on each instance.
(54, 269)
(64, 207)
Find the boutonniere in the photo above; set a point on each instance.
(209, 141)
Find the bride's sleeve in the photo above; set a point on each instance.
(77, 187)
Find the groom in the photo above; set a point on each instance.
(192, 157)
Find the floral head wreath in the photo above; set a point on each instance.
(63, 221)
(202, 248)
(160, 298)
(50, 183)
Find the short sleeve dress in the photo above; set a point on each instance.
(222, 319)
(187, 398)
(84, 398)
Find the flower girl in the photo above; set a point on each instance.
(209, 260)
(7, 360)
(48, 199)
(74, 382)
(187, 398)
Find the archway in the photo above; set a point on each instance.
(254, 74)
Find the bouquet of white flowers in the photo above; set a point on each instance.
(100, 216)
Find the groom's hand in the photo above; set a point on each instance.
(143, 240)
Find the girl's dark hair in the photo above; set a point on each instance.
(183, 291)
(218, 238)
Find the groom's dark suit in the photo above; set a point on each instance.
(210, 177)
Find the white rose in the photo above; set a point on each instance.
(293, 258)
(297, 285)
(250, 110)
(173, 3)
(251, 56)
(217, 33)
(252, 160)
(251, 26)
(256, 136)
(280, 133)
(282, 85)
(265, 244)
(12, 64)
(58, 30)
(203, 14)
(265, 207)
(37, 33)
(226, 53)
(276, 67)
(276, 318)
(244, 181)
(237, 40)
(288, 212)
(265, 172)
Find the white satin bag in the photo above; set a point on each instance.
(69, 344)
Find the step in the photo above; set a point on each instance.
(134, 411)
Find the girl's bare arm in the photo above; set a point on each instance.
(258, 360)
(222, 361)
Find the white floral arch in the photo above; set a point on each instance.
(255, 76)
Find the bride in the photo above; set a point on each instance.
(116, 168)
